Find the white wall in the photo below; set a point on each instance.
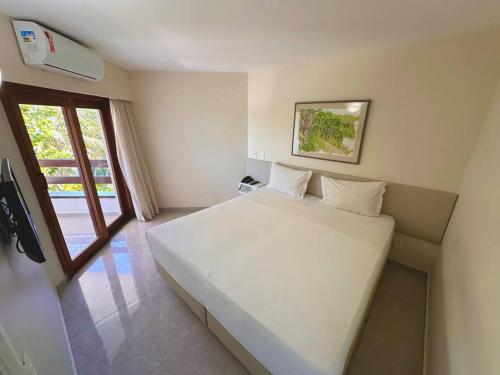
(429, 101)
(30, 312)
(464, 334)
(194, 130)
(114, 85)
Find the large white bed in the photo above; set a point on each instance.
(290, 279)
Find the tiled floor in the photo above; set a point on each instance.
(123, 319)
(78, 230)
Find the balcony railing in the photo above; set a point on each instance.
(70, 203)
(71, 163)
(99, 177)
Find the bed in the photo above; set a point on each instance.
(285, 283)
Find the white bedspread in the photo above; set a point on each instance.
(290, 279)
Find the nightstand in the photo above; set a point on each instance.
(247, 188)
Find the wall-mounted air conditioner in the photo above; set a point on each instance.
(45, 49)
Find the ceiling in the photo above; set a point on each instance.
(241, 35)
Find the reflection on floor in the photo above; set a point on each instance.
(78, 230)
(123, 319)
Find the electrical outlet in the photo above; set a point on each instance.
(262, 155)
(398, 243)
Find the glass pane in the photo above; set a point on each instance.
(74, 216)
(95, 143)
(50, 139)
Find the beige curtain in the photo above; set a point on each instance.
(131, 159)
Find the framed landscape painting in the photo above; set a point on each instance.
(330, 130)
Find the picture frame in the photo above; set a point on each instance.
(330, 130)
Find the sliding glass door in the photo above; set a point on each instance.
(50, 137)
(68, 148)
(97, 152)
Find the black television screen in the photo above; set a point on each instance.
(15, 216)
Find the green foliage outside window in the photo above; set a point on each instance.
(49, 137)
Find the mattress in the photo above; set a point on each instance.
(289, 278)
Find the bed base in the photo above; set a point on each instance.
(199, 310)
(253, 366)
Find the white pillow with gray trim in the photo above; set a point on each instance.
(364, 198)
(289, 181)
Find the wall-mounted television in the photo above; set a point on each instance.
(15, 218)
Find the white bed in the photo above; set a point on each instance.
(290, 279)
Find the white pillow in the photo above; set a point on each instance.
(361, 197)
(289, 181)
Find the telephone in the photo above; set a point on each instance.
(249, 180)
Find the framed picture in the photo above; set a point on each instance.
(330, 130)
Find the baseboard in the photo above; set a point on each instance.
(61, 285)
(427, 300)
(407, 264)
(177, 209)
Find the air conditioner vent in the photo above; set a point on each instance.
(45, 49)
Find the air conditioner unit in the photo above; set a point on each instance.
(45, 49)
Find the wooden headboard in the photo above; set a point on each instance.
(419, 212)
